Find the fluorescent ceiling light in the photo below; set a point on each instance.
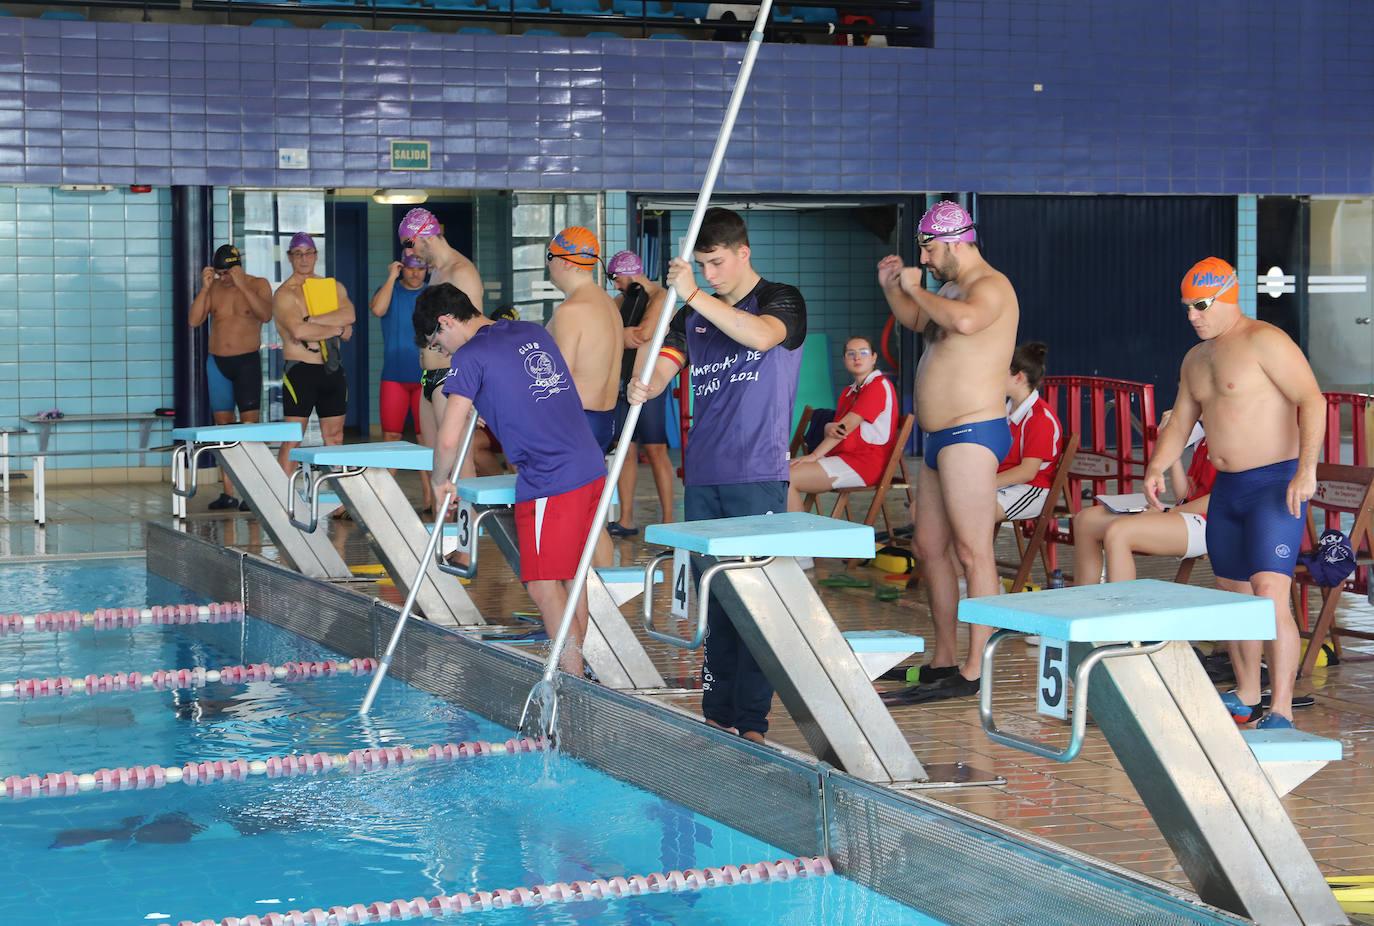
(390, 197)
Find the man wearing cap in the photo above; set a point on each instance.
(640, 302)
(970, 333)
(421, 232)
(239, 305)
(400, 390)
(1265, 417)
(515, 376)
(313, 378)
(744, 342)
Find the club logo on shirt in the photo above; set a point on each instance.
(546, 381)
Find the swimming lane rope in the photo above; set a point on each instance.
(115, 618)
(693, 879)
(26, 688)
(144, 777)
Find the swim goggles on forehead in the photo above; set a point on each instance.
(925, 238)
(1202, 305)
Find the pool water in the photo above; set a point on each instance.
(263, 845)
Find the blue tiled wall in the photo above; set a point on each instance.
(1178, 97)
(85, 303)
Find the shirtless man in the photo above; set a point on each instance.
(421, 232)
(970, 334)
(240, 305)
(313, 379)
(1265, 419)
(586, 328)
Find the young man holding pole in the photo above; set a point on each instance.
(744, 344)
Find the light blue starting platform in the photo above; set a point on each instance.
(242, 451)
(1212, 790)
(782, 534)
(487, 490)
(390, 454)
(748, 565)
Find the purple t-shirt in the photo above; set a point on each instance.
(513, 372)
(742, 398)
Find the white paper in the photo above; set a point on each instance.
(300, 212)
(1134, 503)
(257, 212)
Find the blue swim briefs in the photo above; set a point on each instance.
(1249, 529)
(994, 434)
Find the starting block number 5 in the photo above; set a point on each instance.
(462, 519)
(1051, 685)
(682, 583)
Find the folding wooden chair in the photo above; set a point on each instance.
(1037, 543)
(1341, 490)
(896, 465)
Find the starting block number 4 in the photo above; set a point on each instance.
(1051, 684)
(682, 583)
(462, 519)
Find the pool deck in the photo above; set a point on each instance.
(1087, 805)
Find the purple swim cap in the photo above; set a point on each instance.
(408, 259)
(946, 221)
(418, 223)
(301, 240)
(624, 264)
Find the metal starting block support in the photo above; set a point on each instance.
(770, 600)
(369, 491)
(242, 451)
(1201, 781)
(611, 648)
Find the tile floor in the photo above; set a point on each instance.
(1088, 805)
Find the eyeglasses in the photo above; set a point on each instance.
(302, 252)
(430, 342)
(1202, 305)
(925, 238)
(408, 243)
(857, 354)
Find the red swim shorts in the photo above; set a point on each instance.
(553, 530)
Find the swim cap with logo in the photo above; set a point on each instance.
(226, 256)
(577, 245)
(418, 223)
(624, 264)
(300, 240)
(1210, 277)
(946, 221)
(408, 259)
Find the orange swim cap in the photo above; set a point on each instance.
(576, 244)
(1207, 277)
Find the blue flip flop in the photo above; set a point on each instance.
(616, 529)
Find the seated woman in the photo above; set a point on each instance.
(1180, 531)
(1025, 473)
(859, 441)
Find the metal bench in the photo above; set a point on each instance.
(1151, 699)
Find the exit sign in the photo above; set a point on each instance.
(410, 155)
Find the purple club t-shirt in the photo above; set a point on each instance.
(513, 372)
(742, 398)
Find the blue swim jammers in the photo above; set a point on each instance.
(994, 434)
(1249, 529)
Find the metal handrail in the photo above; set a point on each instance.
(470, 570)
(313, 496)
(1080, 696)
(703, 596)
(192, 463)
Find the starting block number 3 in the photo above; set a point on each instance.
(682, 583)
(462, 519)
(1051, 685)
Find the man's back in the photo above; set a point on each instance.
(587, 327)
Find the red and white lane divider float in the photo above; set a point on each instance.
(115, 618)
(142, 777)
(693, 879)
(199, 677)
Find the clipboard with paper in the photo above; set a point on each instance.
(1131, 503)
(321, 298)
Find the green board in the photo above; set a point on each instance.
(815, 385)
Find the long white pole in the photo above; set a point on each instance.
(669, 308)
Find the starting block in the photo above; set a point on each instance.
(363, 482)
(880, 650)
(242, 451)
(611, 649)
(790, 633)
(1211, 790)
